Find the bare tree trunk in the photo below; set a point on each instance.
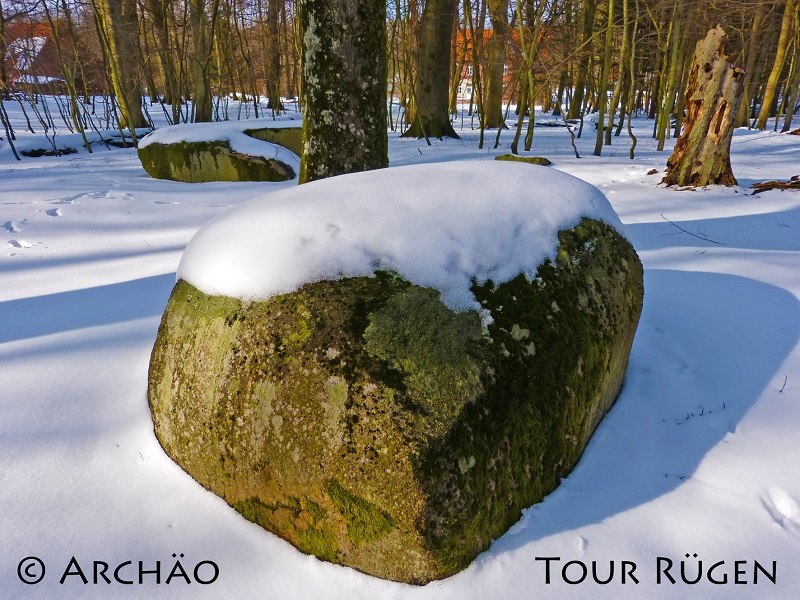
(631, 72)
(752, 50)
(777, 66)
(618, 89)
(495, 62)
(344, 87)
(431, 89)
(202, 42)
(575, 107)
(273, 56)
(159, 9)
(459, 57)
(557, 104)
(677, 38)
(4, 88)
(793, 83)
(602, 95)
(67, 68)
(117, 24)
(702, 154)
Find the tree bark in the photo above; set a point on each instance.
(344, 87)
(432, 88)
(713, 93)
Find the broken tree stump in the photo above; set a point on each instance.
(713, 94)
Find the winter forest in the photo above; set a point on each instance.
(439, 299)
(126, 63)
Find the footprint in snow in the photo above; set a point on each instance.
(783, 509)
(21, 244)
(53, 212)
(75, 199)
(14, 226)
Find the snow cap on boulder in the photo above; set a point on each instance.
(440, 225)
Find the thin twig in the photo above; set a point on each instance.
(700, 237)
(785, 379)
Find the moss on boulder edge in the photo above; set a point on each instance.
(531, 160)
(196, 162)
(368, 424)
(288, 137)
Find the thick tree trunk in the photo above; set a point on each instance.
(117, 23)
(432, 88)
(344, 87)
(495, 62)
(713, 93)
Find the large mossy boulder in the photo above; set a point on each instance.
(369, 424)
(226, 151)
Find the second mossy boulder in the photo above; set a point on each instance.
(256, 150)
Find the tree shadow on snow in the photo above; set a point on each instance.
(708, 345)
(89, 307)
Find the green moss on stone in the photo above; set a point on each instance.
(531, 160)
(317, 512)
(539, 407)
(319, 542)
(309, 538)
(259, 512)
(288, 137)
(429, 345)
(365, 521)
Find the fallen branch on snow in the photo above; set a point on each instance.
(764, 186)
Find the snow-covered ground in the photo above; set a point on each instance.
(698, 456)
